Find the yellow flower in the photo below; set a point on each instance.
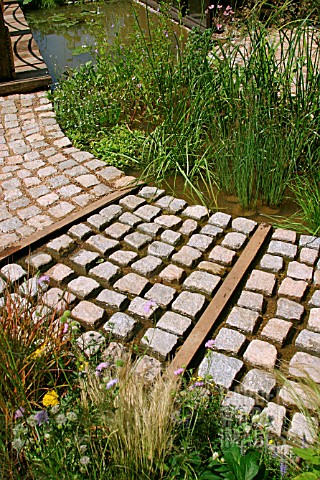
(271, 442)
(39, 352)
(83, 367)
(50, 399)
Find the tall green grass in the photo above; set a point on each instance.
(240, 115)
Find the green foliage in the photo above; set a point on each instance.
(311, 458)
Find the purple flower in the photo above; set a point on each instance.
(283, 469)
(19, 413)
(112, 26)
(165, 33)
(101, 367)
(148, 306)
(197, 384)
(41, 417)
(43, 280)
(179, 371)
(139, 85)
(210, 344)
(111, 383)
(65, 327)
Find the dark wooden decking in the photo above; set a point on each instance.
(31, 71)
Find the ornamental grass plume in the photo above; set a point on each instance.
(137, 417)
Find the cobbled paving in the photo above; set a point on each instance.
(42, 177)
(143, 270)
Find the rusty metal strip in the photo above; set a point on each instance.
(207, 321)
(63, 224)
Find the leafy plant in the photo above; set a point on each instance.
(311, 457)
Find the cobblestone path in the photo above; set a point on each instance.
(42, 177)
(143, 270)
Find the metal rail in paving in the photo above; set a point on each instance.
(148, 269)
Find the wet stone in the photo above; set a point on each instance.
(161, 250)
(222, 255)
(137, 240)
(13, 272)
(148, 367)
(168, 221)
(124, 258)
(60, 273)
(143, 308)
(243, 225)
(289, 310)
(196, 212)
(283, 249)
(305, 365)
(243, 319)
(308, 341)
(91, 342)
(117, 230)
(110, 299)
(284, 235)
(171, 204)
(276, 330)
(211, 231)
(292, 288)
(97, 221)
(251, 300)
(303, 428)
(147, 266)
(261, 282)
(131, 202)
(61, 245)
(88, 313)
(39, 260)
(130, 219)
(112, 212)
(151, 193)
(274, 415)
(148, 212)
(189, 304)
(171, 237)
(188, 227)
(83, 260)
(238, 402)
(102, 245)
(80, 231)
(58, 299)
(151, 229)
(172, 274)
(272, 263)
(201, 242)
(187, 256)
(160, 342)
(220, 219)
(229, 341)
(309, 241)
(258, 383)
(220, 369)
(202, 282)
(120, 325)
(132, 283)
(234, 240)
(105, 272)
(174, 323)
(315, 299)
(261, 354)
(308, 256)
(300, 271)
(314, 320)
(212, 267)
(161, 294)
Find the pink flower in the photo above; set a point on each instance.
(148, 306)
(179, 371)
(210, 344)
(19, 413)
(219, 6)
(197, 384)
(211, 7)
(101, 367)
(65, 327)
(218, 26)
